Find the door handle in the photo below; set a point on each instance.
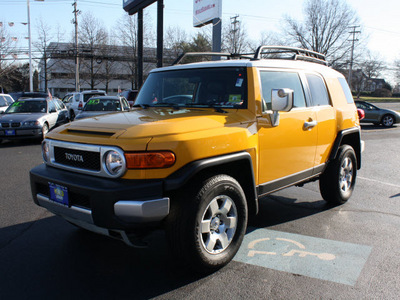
(310, 124)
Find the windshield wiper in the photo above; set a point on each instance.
(218, 109)
(144, 106)
(168, 104)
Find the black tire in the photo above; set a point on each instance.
(72, 114)
(206, 227)
(387, 120)
(337, 182)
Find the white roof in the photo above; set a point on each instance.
(262, 63)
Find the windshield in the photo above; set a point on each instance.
(27, 107)
(96, 104)
(213, 87)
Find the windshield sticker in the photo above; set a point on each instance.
(239, 82)
(93, 102)
(19, 103)
(235, 98)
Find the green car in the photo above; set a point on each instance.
(376, 115)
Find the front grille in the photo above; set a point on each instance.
(15, 125)
(86, 160)
(5, 125)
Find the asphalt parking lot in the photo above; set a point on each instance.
(297, 248)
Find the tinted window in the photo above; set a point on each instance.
(222, 87)
(27, 106)
(52, 107)
(346, 90)
(277, 80)
(318, 90)
(8, 99)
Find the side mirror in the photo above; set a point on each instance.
(282, 99)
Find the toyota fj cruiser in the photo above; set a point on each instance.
(204, 143)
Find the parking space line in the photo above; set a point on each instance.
(378, 181)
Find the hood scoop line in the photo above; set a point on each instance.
(99, 133)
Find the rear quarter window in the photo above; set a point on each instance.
(319, 94)
(346, 90)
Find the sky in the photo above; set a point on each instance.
(379, 24)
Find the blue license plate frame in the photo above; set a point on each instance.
(59, 194)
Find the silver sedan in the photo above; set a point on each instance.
(32, 118)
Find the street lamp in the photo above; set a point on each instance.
(30, 48)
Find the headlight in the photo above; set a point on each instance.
(115, 163)
(30, 123)
(45, 151)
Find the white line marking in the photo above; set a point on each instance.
(377, 181)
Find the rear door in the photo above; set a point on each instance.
(325, 118)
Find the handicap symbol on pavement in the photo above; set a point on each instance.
(301, 253)
(314, 257)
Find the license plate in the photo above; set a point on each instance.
(10, 132)
(59, 194)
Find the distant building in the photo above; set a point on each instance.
(102, 67)
(361, 83)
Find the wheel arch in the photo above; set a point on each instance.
(237, 165)
(352, 137)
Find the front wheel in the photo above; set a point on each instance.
(337, 182)
(206, 229)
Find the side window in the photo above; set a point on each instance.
(125, 104)
(346, 90)
(51, 106)
(318, 90)
(8, 100)
(2, 101)
(277, 80)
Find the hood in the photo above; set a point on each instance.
(155, 122)
(88, 114)
(21, 117)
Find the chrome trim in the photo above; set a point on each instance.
(102, 150)
(142, 211)
(85, 215)
(362, 146)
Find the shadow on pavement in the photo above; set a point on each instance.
(50, 258)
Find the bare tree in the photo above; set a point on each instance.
(266, 38)
(235, 37)
(7, 48)
(128, 34)
(325, 28)
(175, 37)
(46, 50)
(92, 36)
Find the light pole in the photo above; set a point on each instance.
(30, 48)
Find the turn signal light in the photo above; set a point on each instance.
(149, 160)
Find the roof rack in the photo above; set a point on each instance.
(214, 54)
(299, 53)
(273, 51)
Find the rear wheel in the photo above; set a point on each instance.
(72, 115)
(387, 121)
(337, 182)
(206, 228)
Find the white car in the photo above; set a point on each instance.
(5, 101)
(77, 100)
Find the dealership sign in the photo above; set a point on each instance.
(204, 11)
(133, 6)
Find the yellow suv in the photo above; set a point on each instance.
(203, 144)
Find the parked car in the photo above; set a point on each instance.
(28, 95)
(103, 105)
(130, 95)
(376, 115)
(32, 118)
(76, 101)
(5, 101)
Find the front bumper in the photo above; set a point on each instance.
(98, 203)
(20, 133)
